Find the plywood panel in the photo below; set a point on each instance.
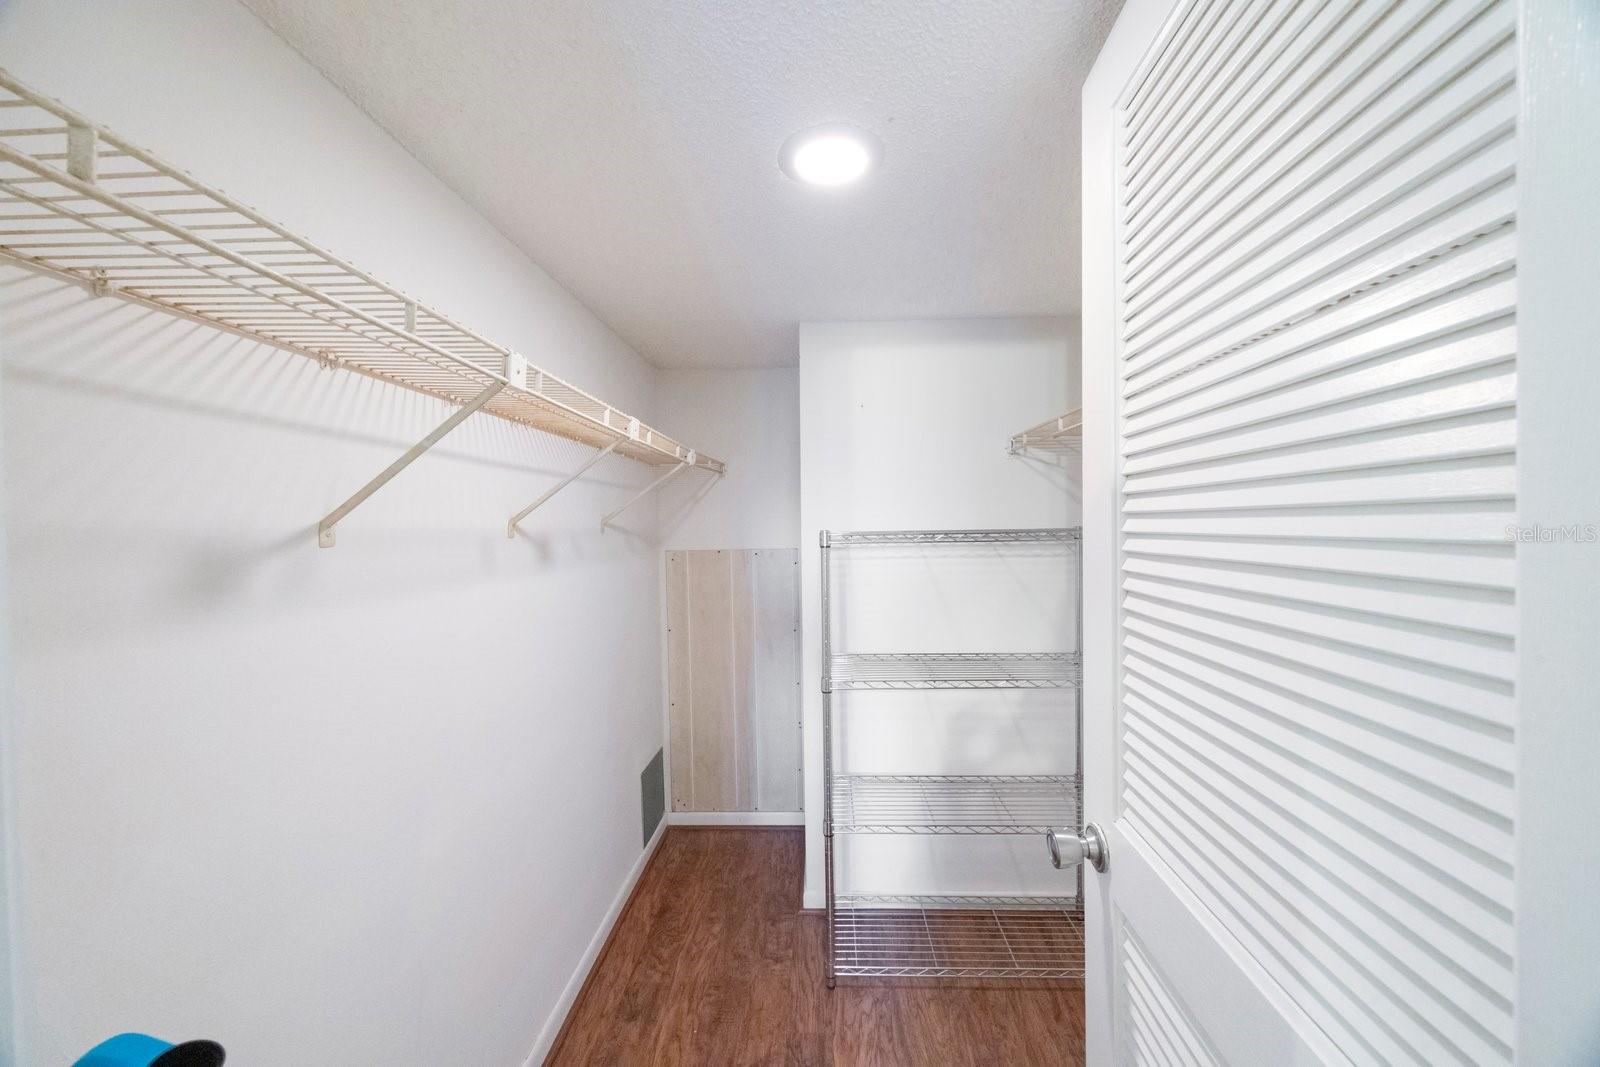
(775, 679)
(733, 679)
(741, 609)
(680, 744)
(714, 730)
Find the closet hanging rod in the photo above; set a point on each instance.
(81, 204)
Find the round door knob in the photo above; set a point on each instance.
(1068, 847)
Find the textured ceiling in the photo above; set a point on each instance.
(631, 149)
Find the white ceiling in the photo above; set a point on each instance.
(631, 148)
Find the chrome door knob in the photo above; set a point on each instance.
(1068, 847)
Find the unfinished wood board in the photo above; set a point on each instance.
(733, 679)
(713, 727)
(741, 610)
(775, 677)
(680, 785)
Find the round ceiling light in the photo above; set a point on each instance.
(829, 155)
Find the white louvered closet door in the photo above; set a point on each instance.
(1312, 591)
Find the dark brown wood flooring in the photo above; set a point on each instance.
(713, 962)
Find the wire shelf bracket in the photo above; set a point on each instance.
(81, 204)
(641, 494)
(516, 520)
(326, 529)
(1063, 433)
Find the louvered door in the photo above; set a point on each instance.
(1308, 470)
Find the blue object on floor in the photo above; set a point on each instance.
(142, 1050)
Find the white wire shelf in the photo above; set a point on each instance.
(958, 937)
(82, 204)
(1062, 535)
(952, 670)
(1064, 433)
(953, 803)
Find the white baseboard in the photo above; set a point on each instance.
(737, 818)
(558, 1014)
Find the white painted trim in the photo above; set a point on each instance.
(1558, 485)
(1125, 49)
(814, 900)
(11, 1049)
(558, 1014)
(736, 818)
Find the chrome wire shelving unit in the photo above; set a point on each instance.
(82, 204)
(951, 936)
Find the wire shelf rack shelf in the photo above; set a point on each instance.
(958, 937)
(952, 670)
(1013, 804)
(80, 203)
(1059, 535)
(956, 902)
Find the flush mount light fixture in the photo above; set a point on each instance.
(829, 155)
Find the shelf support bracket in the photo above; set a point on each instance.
(83, 150)
(325, 528)
(511, 526)
(605, 522)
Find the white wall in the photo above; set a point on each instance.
(7, 915)
(751, 419)
(904, 425)
(365, 805)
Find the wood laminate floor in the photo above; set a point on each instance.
(713, 963)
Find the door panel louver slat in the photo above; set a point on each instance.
(1349, 165)
(1368, 811)
(1425, 869)
(1486, 614)
(1322, 935)
(1220, 62)
(1347, 70)
(1317, 434)
(1322, 987)
(1241, 319)
(1156, 1027)
(1477, 59)
(1432, 729)
(1456, 316)
(1370, 662)
(1461, 566)
(1383, 373)
(1212, 362)
(1354, 899)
